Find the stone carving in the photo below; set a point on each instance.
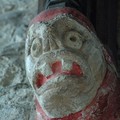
(70, 71)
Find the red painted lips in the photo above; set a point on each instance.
(56, 68)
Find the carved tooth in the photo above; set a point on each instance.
(66, 64)
(45, 69)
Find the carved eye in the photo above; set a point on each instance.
(36, 48)
(73, 40)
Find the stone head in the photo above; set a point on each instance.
(65, 63)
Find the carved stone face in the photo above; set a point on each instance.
(64, 64)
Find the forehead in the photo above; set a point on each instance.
(58, 27)
(58, 24)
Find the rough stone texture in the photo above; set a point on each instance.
(60, 92)
(16, 97)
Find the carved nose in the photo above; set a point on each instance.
(50, 41)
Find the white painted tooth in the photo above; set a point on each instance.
(66, 64)
(46, 69)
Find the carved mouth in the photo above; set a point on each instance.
(57, 70)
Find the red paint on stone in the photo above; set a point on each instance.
(76, 70)
(57, 67)
(47, 15)
(105, 105)
(40, 80)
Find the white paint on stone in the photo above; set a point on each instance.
(66, 94)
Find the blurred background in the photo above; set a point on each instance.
(16, 96)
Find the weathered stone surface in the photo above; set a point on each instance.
(16, 97)
(61, 92)
(71, 73)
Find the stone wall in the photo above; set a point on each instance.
(16, 97)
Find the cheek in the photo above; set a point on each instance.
(97, 64)
(95, 59)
